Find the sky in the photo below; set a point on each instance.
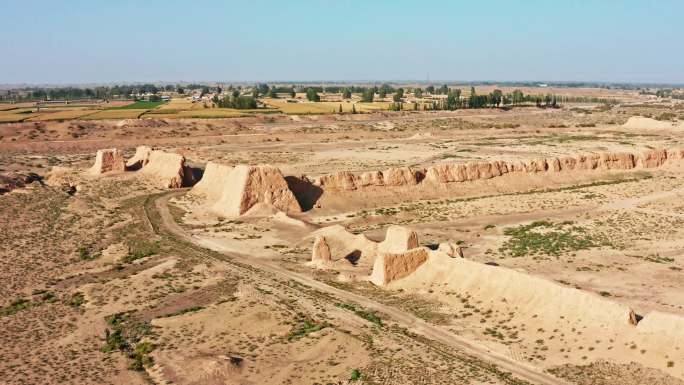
(78, 42)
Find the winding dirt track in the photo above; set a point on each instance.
(407, 320)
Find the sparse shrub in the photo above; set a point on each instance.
(141, 251)
(544, 237)
(355, 375)
(368, 316)
(76, 300)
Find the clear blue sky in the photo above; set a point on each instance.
(75, 41)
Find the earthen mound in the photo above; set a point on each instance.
(247, 186)
(532, 296)
(10, 180)
(640, 122)
(146, 122)
(107, 160)
(667, 327)
(64, 178)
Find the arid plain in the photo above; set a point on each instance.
(490, 246)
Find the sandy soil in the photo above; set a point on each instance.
(97, 290)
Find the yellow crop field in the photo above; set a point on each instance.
(301, 108)
(75, 113)
(12, 106)
(7, 117)
(115, 114)
(178, 104)
(325, 107)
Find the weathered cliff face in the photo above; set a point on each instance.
(247, 186)
(107, 160)
(463, 172)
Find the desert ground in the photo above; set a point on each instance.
(491, 246)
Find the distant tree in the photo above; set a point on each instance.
(263, 88)
(238, 102)
(368, 95)
(443, 90)
(517, 97)
(353, 108)
(496, 97)
(180, 90)
(385, 89)
(346, 93)
(451, 101)
(236, 93)
(418, 92)
(398, 95)
(340, 108)
(219, 90)
(312, 95)
(205, 90)
(430, 89)
(293, 93)
(272, 93)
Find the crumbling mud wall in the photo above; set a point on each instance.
(213, 182)
(107, 160)
(398, 239)
(357, 248)
(249, 186)
(343, 245)
(389, 267)
(168, 170)
(464, 172)
(139, 159)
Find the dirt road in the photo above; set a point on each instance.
(409, 321)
